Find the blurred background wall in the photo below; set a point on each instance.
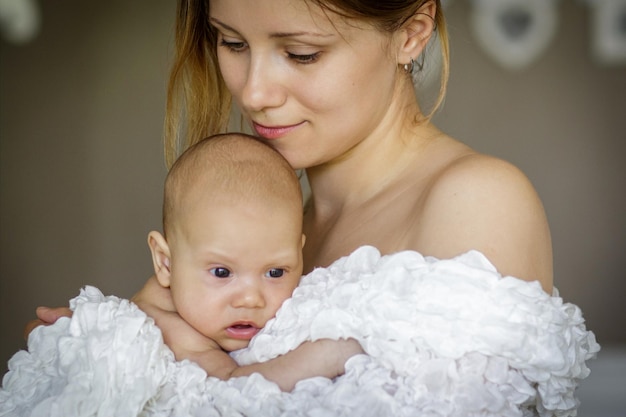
(81, 161)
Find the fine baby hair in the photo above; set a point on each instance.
(233, 166)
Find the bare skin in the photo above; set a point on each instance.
(323, 358)
(377, 177)
(380, 173)
(450, 200)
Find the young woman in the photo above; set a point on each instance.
(329, 84)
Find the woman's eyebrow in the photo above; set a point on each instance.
(301, 33)
(222, 24)
(276, 34)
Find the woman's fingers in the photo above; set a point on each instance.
(46, 316)
(50, 315)
(30, 326)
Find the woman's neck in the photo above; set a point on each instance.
(366, 170)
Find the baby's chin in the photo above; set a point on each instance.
(233, 345)
(238, 335)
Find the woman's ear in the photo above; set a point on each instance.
(160, 258)
(416, 32)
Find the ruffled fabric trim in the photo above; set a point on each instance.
(442, 338)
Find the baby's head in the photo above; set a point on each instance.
(232, 168)
(232, 250)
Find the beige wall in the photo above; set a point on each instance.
(563, 121)
(81, 164)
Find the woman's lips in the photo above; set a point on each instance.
(245, 331)
(274, 132)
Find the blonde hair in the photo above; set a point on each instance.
(234, 166)
(198, 102)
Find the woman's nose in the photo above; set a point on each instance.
(249, 294)
(263, 88)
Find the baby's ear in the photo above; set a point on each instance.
(160, 257)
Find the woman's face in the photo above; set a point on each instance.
(312, 84)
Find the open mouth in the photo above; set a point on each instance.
(242, 331)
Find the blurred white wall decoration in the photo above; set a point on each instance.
(514, 33)
(19, 20)
(608, 31)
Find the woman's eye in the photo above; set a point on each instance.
(233, 46)
(304, 59)
(220, 272)
(275, 273)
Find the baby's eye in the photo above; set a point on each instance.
(220, 272)
(275, 273)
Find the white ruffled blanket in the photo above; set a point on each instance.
(442, 337)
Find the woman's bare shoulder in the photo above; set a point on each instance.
(475, 174)
(481, 202)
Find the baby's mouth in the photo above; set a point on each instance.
(242, 330)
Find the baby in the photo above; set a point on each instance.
(231, 253)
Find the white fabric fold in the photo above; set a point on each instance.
(442, 338)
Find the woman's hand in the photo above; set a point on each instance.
(46, 316)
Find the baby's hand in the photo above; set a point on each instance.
(324, 357)
(185, 341)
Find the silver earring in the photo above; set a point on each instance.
(420, 61)
(408, 68)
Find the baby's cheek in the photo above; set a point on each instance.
(279, 300)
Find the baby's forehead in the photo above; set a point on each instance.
(243, 182)
(241, 153)
(235, 170)
(223, 204)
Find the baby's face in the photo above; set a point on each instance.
(232, 267)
